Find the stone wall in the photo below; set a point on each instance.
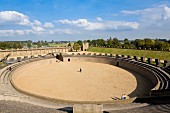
(30, 52)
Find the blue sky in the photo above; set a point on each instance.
(83, 19)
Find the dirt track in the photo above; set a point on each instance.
(63, 80)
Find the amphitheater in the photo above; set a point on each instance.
(39, 83)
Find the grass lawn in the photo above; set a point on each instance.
(162, 55)
(63, 44)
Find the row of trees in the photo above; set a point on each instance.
(154, 44)
(10, 45)
(22, 44)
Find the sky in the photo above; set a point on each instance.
(71, 20)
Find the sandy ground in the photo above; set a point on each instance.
(96, 82)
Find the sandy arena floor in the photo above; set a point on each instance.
(96, 82)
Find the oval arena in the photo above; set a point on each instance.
(104, 78)
(63, 80)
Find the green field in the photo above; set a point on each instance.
(62, 44)
(54, 45)
(163, 55)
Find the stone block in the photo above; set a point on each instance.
(87, 108)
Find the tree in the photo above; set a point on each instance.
(148, 43)
(52, 41)
(80, 42)
(76, 46)
(109, 42)
(126, 44)
(116, 43)
(29, 43)
(101, 42)
(39, 44)
(69, 44)
(94, 43)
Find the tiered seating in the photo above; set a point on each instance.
(167, 69)
(10, 93)
(163, 77)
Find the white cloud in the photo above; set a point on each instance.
(15, 32)
(79, 22)
(37, 28)
(36, 23)
(156, 16)
(37, 31)
(167, 13)
(99, 19)
(48, 25)
(104, 25)
(13, 17)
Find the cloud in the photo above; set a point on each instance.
(167, 13)
(15, 32)
(102, 25)
(155, 16)
(13, 17)
(48, 25)
(37, 23)
(37, 31)
(37, 28)
(99, 19)
(79, 22)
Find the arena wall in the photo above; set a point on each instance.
(28, 52)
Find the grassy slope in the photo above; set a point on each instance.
(163, 55)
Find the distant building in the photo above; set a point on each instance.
(85, 46)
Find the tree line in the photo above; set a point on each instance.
(149, 44)
(22, 44)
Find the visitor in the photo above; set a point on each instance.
(57, 60)
(123, 97)
(10, 68)
(80, 70)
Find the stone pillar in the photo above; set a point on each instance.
(157, 62)
(123, 55)
(149, 61)
(19, 59)
(142, 59)
(165, 63)
(117, 56)
(87, 108)
(26, 57)
(128, 56)
(135, 57)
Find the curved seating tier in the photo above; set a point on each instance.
(162, 86)
(8, 92)
(161, 78)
